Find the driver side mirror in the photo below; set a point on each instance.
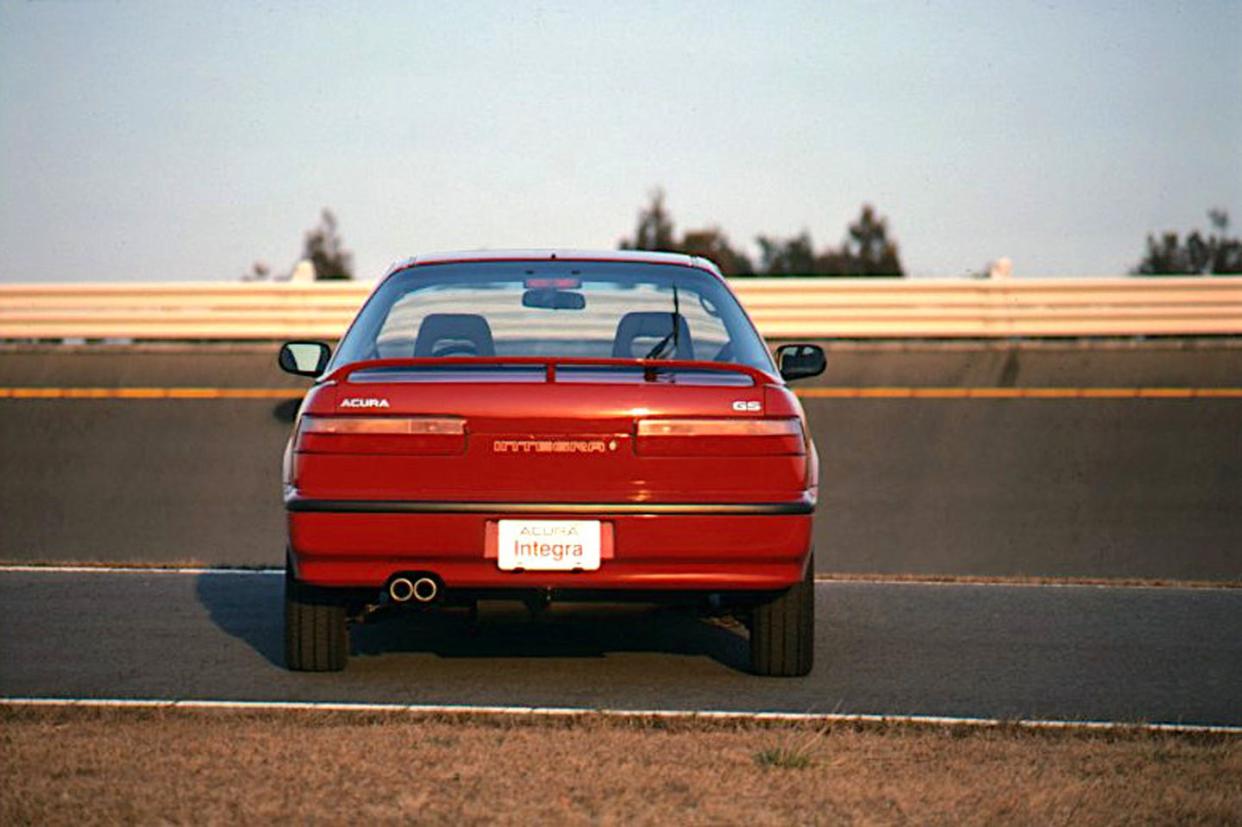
(800, 361)
(304, 358)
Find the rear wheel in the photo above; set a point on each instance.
(316, 635)
(782, 631)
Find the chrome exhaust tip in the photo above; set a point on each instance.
(401, 589)
(425, 589)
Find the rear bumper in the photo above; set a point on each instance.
(655, 547)
(300, 504)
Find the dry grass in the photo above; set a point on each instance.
(62, 766)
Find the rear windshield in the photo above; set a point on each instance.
(554, 308)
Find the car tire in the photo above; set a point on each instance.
(782, 631)
(316, 631)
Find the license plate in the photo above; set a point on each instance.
(548, 545)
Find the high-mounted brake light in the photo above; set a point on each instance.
(375, 425)
(554, 283)
(720, 437)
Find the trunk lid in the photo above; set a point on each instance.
(553, 430)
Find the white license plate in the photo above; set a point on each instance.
(548, 545)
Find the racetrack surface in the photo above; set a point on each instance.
(1062, 652)
(1131, 488)
(1052, 487)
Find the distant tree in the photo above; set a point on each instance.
(791, 257)
(259, 271)
(322, 247)
(654, 230)
(866, 251)
(714, 245)
(1216, 254)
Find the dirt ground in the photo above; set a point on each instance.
(92, 766)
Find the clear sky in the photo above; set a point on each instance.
(170, 140)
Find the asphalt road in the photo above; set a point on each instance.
(1132, 488)
(1144, 488)
(1077, 653)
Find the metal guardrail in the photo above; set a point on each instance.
(783, 308)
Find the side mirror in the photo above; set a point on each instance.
(304, 358)
(800, 361)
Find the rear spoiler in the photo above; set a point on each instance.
(650, 367)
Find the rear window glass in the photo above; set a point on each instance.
(571, 309)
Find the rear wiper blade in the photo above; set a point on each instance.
(673, 335)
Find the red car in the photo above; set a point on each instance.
(550, 426)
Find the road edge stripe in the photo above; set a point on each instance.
(820, 579)
(607, 712)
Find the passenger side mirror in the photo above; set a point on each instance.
(304, 358)
(800, 361)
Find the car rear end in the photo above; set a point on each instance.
(550, 429)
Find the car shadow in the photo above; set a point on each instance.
(248, 607)
(565, 631)
(286, 411)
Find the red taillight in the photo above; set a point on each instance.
(382, 434)
(370, 425)
(720, 437)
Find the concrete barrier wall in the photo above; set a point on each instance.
(1146, 488)
(781, 306)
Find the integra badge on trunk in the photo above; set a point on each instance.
(553, 446)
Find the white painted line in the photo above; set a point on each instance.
(584, 712)
(820, 579)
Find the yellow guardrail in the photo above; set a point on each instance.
(783, 308)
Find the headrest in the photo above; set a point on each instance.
(653, 325)
(454, 327)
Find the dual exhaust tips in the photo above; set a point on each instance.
(421, 589)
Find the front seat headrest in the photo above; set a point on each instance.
(654, 325)
(454, 328)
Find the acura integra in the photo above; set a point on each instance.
(547, 426)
